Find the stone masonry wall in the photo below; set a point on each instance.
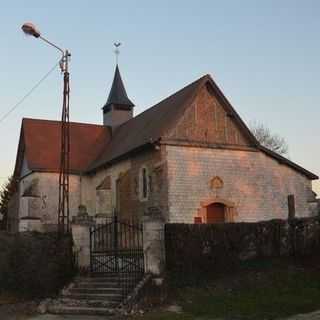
(41, 199)
(156, 166)
(89, 195)
(256, 184)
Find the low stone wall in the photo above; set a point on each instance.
(198, 249)
(35, 264)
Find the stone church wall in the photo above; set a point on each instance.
(39, 193)
(96, 196)
(257, 185)
(96, 200)
(155, 165)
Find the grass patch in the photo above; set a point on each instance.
(273, 291)
(280, 294)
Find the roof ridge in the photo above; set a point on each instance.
(187, 93)
(71, 122)
(166, 98)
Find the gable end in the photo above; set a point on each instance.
(209, 119)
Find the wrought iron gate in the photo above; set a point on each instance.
(117, 247)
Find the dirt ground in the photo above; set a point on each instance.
(17, 311)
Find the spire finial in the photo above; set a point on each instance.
(117, 50)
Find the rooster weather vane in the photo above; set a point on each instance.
(117, 50)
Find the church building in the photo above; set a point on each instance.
(190, 156)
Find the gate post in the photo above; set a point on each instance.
(153, 241)
(80, 228)
(115, 241)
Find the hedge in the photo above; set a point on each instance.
(35, 264)
(196, 250)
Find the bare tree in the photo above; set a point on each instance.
(268, 139)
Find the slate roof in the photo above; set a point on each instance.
(92, 146)
(150, 125)
(40, 140)
(118, 94)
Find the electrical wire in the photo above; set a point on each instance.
(29, 92)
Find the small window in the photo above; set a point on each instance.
(144, 184)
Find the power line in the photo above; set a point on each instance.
(29, 93)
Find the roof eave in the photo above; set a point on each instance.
(125, 156)
(289, 163)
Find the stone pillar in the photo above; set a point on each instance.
(153, 241)
(30, 224)
(80, 227)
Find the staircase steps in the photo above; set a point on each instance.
(95, 290)
(86, 285)
(76, 310)
(89, 303)
(91, 296)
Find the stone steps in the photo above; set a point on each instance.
(76, 310)
(93, 296)
(95, 290)
(88, 303)
(103, 279)
(85, 285)
(99, 295)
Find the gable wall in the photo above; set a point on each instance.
(24, 169)
(256, 184)
(207, 121)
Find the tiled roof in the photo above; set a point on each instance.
(42, 144)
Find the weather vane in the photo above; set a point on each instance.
(117, 50)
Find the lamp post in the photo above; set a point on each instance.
(63, 205)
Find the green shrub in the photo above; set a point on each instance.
(35, 264)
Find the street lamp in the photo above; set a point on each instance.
(63, 205)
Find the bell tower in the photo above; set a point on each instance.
(119, 108)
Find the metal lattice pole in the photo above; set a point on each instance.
(63, 206)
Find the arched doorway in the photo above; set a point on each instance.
(216, 213)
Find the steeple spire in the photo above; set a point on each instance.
(118, 108)
(118, 95)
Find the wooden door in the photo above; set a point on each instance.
(216, 213)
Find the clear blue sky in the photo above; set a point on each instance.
(263, 54)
